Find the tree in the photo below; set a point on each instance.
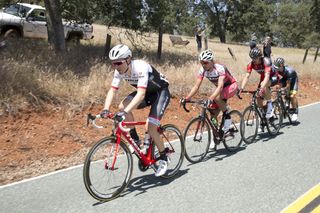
(55, 27)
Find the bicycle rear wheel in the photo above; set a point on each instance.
(174, 145)
(197, 139)
(274, 123)
(249, 125)
(101, 181)
(232, 138)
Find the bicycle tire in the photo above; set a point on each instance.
(250, 118)
(98, 179)
(196, 148)
(274, 123)
(174, 143)
(232, 138)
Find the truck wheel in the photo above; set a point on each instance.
(74, 40)
(12, 33)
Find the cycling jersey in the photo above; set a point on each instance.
(289, 74)
(214, 74)
(261, 68)
(143, 75)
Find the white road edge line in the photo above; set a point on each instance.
(73, 167)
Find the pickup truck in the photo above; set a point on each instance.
(29, 20)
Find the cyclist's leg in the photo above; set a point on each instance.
(226, 93)
(159, 103)
(267, 97)
(294, 99)
(130, 117)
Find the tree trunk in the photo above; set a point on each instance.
(160, 41)
(55, 27)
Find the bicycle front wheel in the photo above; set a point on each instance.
(197, 139)
(249, 125)
(107, 169)
(232, 138)
(275, 122)
(174, 145)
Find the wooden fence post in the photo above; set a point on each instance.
(305, 56)
(107, 46)
(315, 57)
(232, 54)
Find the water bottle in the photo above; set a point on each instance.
(214, 121)
(146, 142)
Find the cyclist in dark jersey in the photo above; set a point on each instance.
(289, 79)
(225, 84)
(152, 90)
(262, 65)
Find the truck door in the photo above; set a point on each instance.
(35, 24)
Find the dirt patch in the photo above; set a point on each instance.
(35, 143)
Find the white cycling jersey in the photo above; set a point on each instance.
(142, 75)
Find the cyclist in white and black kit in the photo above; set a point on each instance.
(152, 90)
(289, 80)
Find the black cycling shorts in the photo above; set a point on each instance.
(158, 102)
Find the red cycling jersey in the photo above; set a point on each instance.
(263, 67)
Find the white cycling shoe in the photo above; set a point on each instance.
(162, 168)
(294, 117)
(226, 125)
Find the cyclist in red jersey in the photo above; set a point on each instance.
(226, 85)
(268, 78)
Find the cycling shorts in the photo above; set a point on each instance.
(158, 101)
(293, 83)
(229, 91)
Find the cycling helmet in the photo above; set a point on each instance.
(255, 53)
(119, 51)
(206, 55)
(278, 62)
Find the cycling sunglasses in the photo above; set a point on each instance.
(118, 63)
(204, 62)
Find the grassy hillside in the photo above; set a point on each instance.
(31, 74)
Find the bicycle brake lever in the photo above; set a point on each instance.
(90, 117)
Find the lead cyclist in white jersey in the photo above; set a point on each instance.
(152, 90)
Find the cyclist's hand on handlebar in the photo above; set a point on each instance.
(105, 113)
(208, 103)
(261, 92)
(183, 101)
(120, 116)
(239, 91)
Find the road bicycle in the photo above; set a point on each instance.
(108, 165)
(197, 134)
(283, 98)
(253, 116)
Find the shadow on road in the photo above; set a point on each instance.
(222, 153)
(142, 184)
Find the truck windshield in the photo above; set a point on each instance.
(17, 10)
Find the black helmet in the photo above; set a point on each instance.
(255, 53)
(279, 61)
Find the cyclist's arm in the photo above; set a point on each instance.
(265, 80)
(138, 98)
(219, 88)
(245, 80)
(194, 89)
(111, 93)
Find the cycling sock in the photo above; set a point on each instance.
(269, 105)
(226, 114)
(134, 134)
(163, 155)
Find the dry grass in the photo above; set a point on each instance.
(31, 72)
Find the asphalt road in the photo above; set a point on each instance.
(263, 177)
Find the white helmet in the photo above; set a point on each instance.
(119, 51)
(206, 55)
